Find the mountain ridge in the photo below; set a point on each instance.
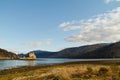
(109, 51)
(83, 52)
(4, 54)
(103, 50)
(76, 52)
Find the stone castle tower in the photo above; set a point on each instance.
(32, 55)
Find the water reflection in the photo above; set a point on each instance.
(31, 63)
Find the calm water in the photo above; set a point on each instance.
(5, 64)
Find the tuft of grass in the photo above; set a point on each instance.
(89, 70)
(102, 71)
(115, 72)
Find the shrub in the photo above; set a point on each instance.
(115, 68)
(115, 72)
(102, 71)
(59, 78)
(89, 70)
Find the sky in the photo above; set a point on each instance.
(53, 25)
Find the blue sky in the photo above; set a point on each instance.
(27, 25)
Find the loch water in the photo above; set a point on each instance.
(6, 64)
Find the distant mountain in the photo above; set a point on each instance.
(108, 51)
(4, 54)
(21, 55)
(77, 52)
(39, 54)
(43, 54)
(111, 50)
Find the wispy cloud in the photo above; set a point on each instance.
(37, 44)
(108, 1)
(67, 26)
(33, 44)
(100, 28)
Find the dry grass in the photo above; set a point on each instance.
(66, 72)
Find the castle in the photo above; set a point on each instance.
(31, 56)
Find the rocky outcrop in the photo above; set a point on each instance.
(4, 54)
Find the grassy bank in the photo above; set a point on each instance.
(89, 70)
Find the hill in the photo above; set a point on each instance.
(39, 54)
(4, 54)
(43, 54)
(77, 52)
(108, 51)
(104, 50)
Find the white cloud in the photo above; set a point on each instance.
(64, 24)
(100, 28)
(37, 44)
(108, 1)
(67, 26)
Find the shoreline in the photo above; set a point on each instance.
(65, 58)
(98, 62)
(37, 72)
